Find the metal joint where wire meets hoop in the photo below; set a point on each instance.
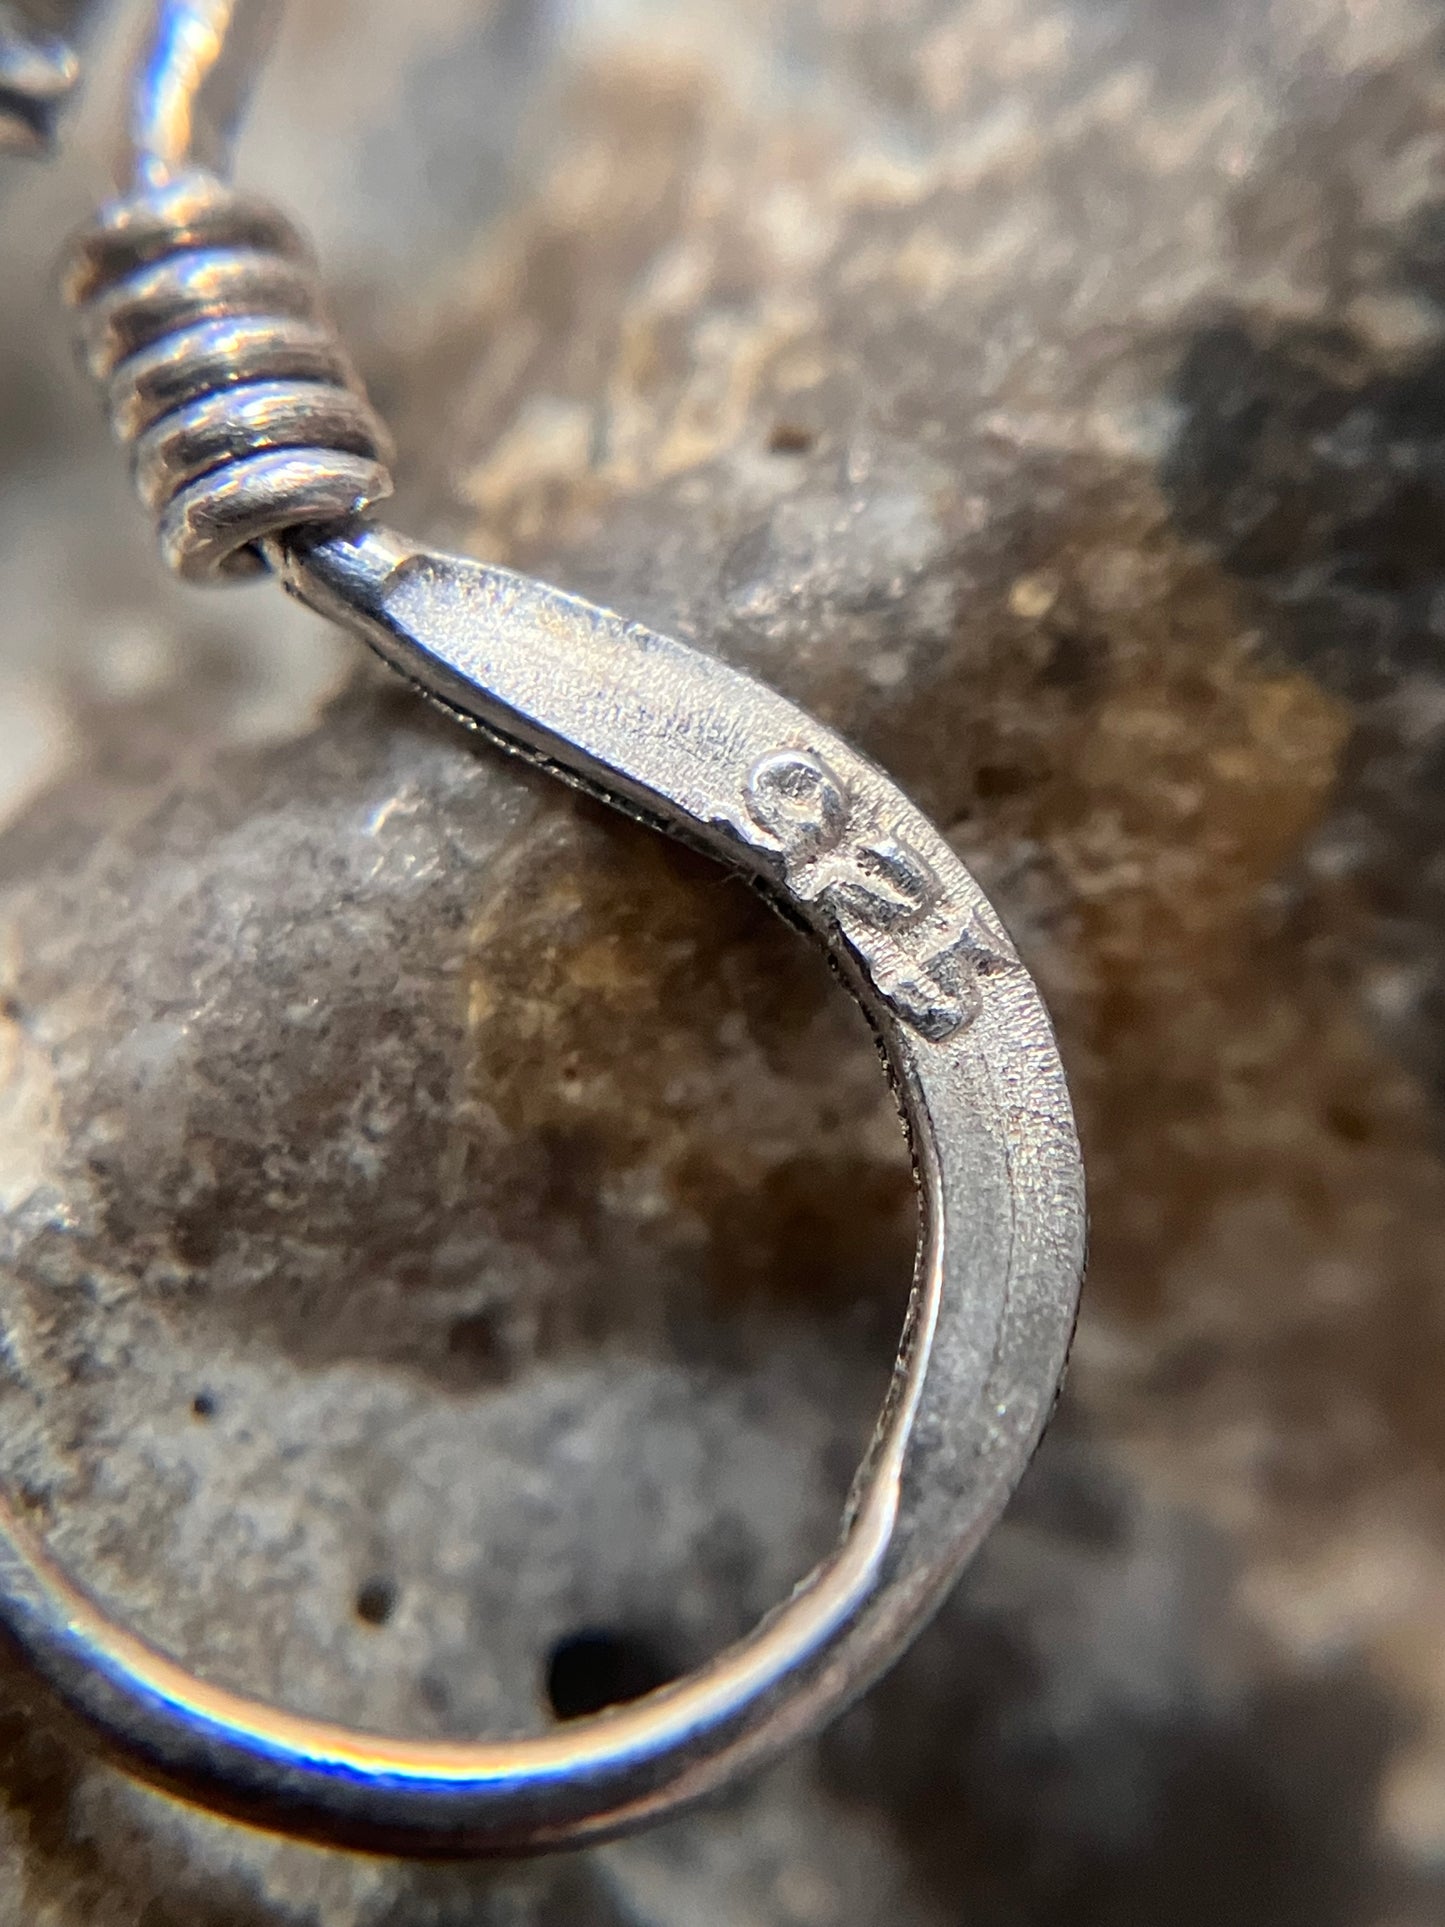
(202, 314)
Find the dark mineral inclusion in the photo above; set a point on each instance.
(441, 1298)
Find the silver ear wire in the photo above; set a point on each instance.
(192, 86)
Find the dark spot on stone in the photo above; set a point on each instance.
(791, 438)
(1187, 1368)
(596, 1668)
(203, 1406)
(375, 1602)
(1349, 1123)
(39, 1776)
(478, 1344)
(995, 780)
(200, 1234)
(1073, 663)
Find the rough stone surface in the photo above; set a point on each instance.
(442, 1220)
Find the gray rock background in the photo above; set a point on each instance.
(408, 1267)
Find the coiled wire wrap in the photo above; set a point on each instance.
(200, 312)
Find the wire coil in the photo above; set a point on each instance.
(201, 314)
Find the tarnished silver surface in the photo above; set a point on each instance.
(235, 462)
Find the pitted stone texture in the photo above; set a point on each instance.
(441, 1220)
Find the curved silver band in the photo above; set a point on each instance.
(706, 753)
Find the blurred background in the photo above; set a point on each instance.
(454, 1243)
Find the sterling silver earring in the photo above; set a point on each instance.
(254, 446)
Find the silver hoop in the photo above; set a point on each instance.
(705, 753)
